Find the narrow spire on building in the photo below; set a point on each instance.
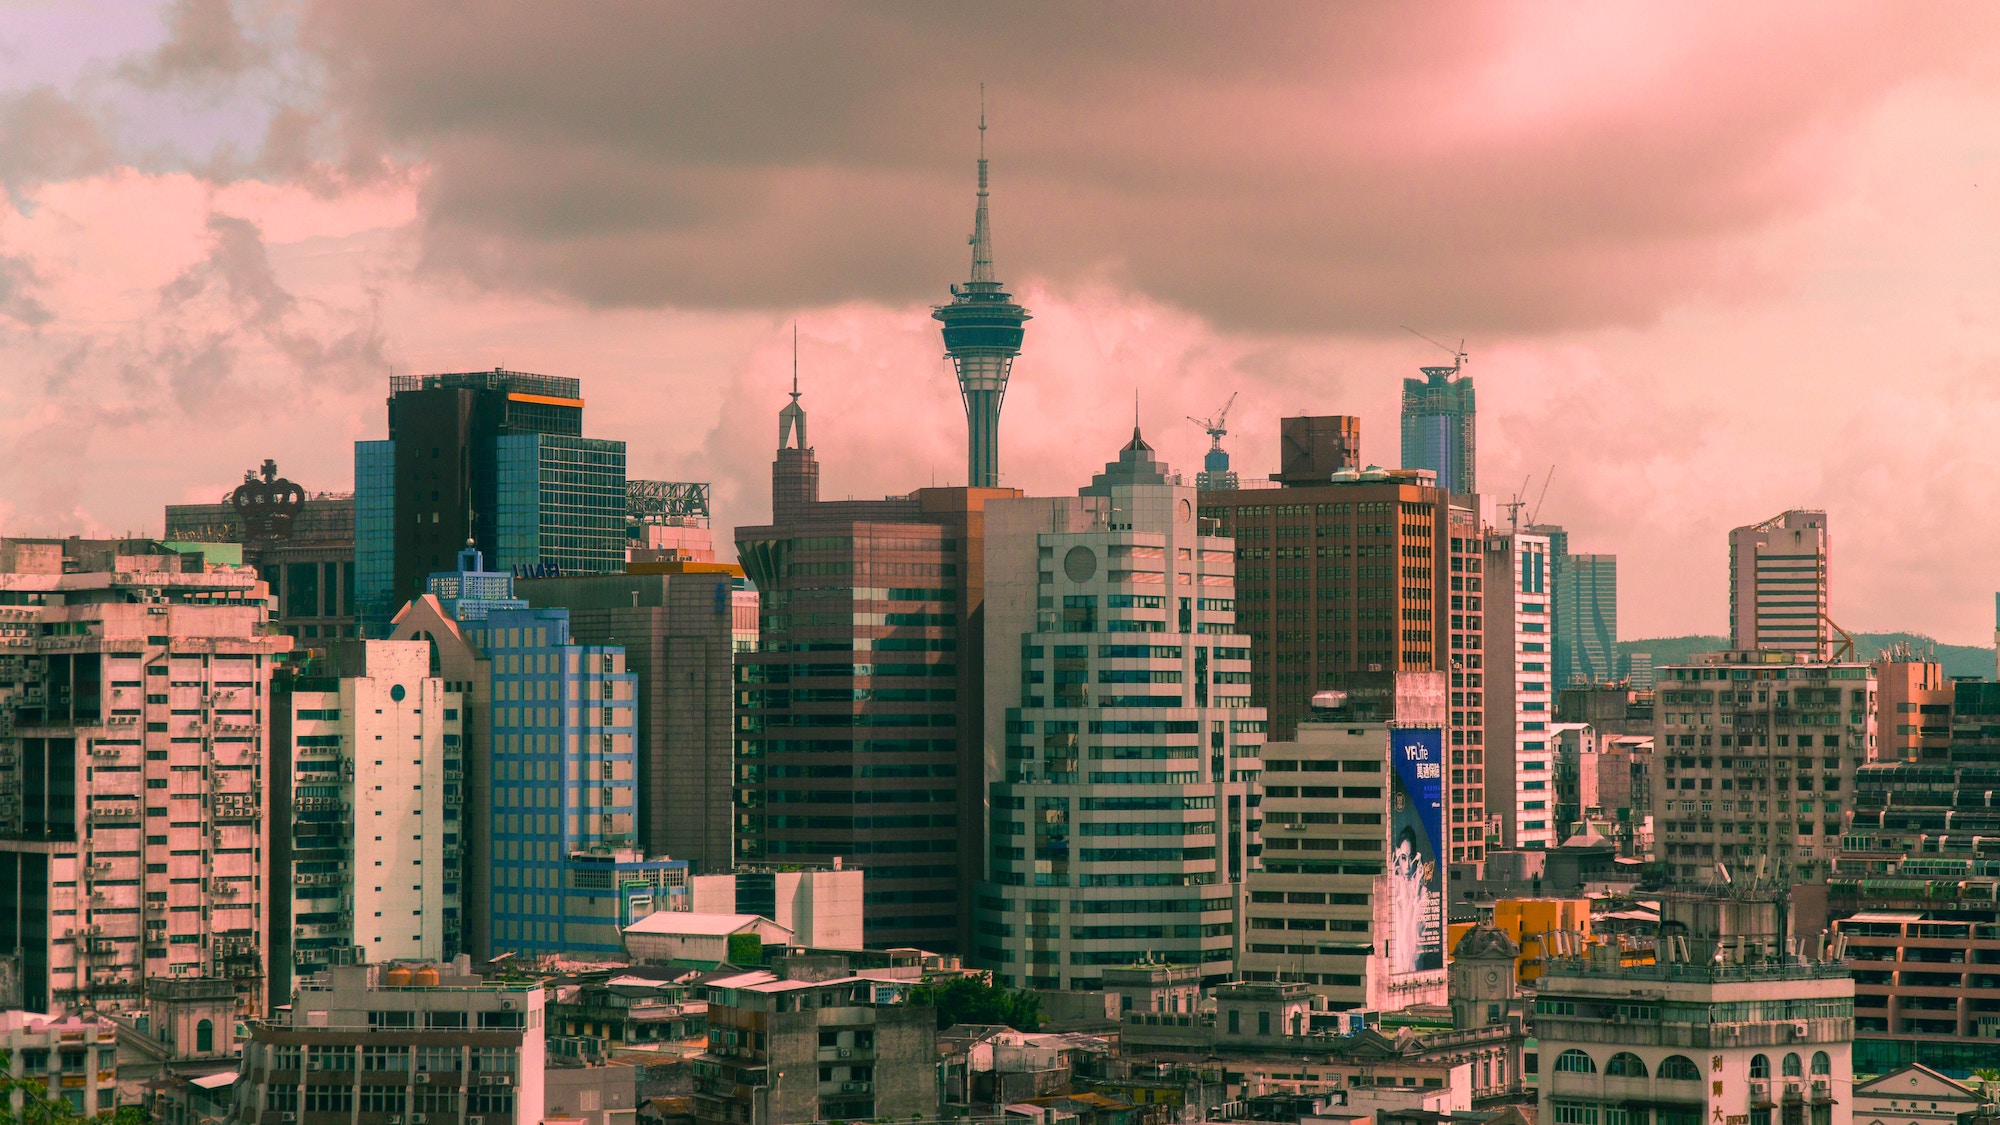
(795, 471)
(982, 335)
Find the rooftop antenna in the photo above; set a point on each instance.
(1216, 427)
(795, 361)
(1457, 353)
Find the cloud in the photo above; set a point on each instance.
(1307, 168)
(205, 45)
(45, 135)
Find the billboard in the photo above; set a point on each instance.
(1416, 850)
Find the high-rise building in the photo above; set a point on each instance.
(372, 766)
(300, 543)
(1914, 704)
(1362, 574)
(496, 459)
(1520, 702)
(134, 690)
(1440, 428)
(1350, 897)
(421, 1043)
(859, 713)
(675, 628)
(1773, 1017)
(553, 774)
(1583, 618)
(1778, 585)
(982, 335)
(1312, 448)
(1755, 759)
(1123, 795)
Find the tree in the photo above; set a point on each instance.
(971, 1000)
(38, 1108)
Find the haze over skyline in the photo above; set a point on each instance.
(1711, 262)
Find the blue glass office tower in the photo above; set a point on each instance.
(1439, 428)
(561, 768)
(496, 459)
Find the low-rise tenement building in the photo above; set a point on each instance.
(134, 694)
(1730, 1026)
(431, 1045)
(815, 1042)
(74, 1057)
(1756, 755)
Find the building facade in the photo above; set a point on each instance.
(860, 712)
(818, 1046)
(1124, 808)
(372, 866)
(75, 1058)
(1585, 647)
(390, 1041)
(1737, 1028)
(1778, 585)
(676, 632)
(1361, 576)
(1755, 764)
(1520, 701)
(1349, 900)
(496, 459)
(134, 699)
(1440, 428)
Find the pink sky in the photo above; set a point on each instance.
(1710, 262)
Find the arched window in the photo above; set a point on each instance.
(1680, 1068)
(1625, 1064)
(1792, 1065)
(1575, 1062)
(1760, 1066)
(204, 1038)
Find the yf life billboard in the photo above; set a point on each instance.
(1416, 850)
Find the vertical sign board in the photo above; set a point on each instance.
(1416, 835)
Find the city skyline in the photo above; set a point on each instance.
(160, 287)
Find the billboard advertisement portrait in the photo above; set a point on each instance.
(1416, 850)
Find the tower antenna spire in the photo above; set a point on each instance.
(795, 361)
(982, 335)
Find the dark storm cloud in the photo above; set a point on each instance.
(44, 135)
(1275, 167)
(205, 44)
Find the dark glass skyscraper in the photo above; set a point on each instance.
(1439, 430)
(496, 459)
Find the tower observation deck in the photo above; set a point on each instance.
(982, 335)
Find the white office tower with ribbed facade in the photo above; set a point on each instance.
(1123, 755)
(373, 859)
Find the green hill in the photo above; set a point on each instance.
(1958, 660)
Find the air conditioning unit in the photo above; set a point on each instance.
(503, 1080)
(418, 1119)
(849, 1087)
(1798, 1029)
(1621, 1017)
(314, 1064)
(423, 1079)
(288, 1118)
(506, 1005)
(475, 1120)
(395, 1119)
(844, 1052)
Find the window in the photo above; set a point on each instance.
(1625, 1064)
(1760, 1066)
(1575, 1062)
(382, 1099)
(1792, 1069)
(437, 1058)
(1821, 1064)
(329, 1099)
(385, 1058)
(204, 1037)
(1679, 1068)
(1576, 1113)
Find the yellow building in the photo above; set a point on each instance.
(1529, 922)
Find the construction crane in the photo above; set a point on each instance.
(1217, 427)
(1457, 353)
